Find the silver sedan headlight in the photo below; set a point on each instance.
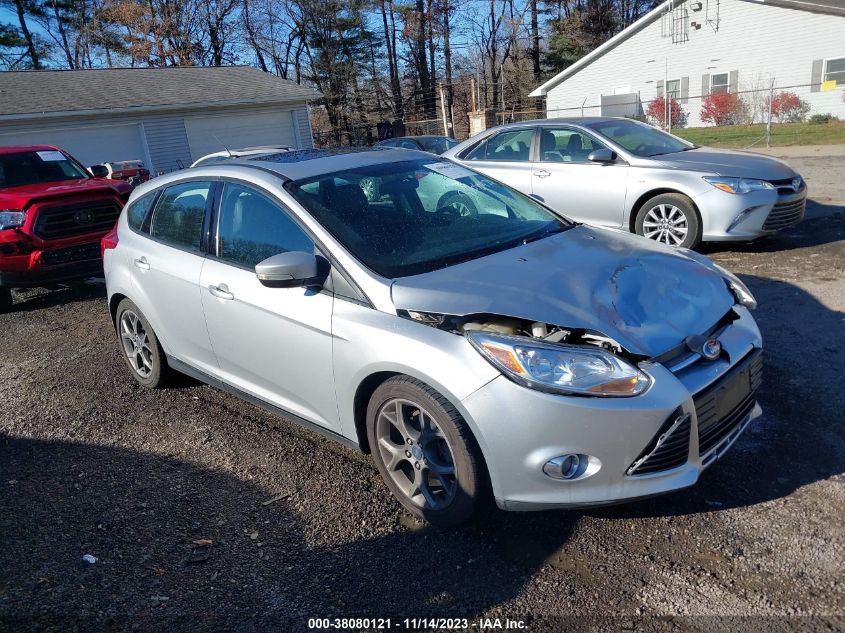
(566, 369)
(738, 288)
(739, 185)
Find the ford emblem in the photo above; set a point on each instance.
(711, 348)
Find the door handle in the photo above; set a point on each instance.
(221, 292)
(542, 173)
(142, 263)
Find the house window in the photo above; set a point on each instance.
(673, 89)
(719, 83)
(834, 70)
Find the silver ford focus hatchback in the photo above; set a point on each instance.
(502, 351)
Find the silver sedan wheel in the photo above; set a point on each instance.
(416, 454)
(667, 224)
(136, 344)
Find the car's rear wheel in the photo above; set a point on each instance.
(424, 451)
(669, 218)
(141, 350)
(5, 299)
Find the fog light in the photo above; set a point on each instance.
(567, 466)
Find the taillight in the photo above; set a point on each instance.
(109, 241)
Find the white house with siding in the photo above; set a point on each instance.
(690, 49)
(166, 117)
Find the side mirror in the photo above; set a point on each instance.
(99, 171)
(602, 156)
(294, 269)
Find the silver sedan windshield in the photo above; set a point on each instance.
(639, 138)
(420, 215)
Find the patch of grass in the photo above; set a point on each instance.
(783, 134)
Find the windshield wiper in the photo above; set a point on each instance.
(550, 230)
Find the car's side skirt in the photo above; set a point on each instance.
(184, 368)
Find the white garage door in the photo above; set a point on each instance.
(209, 134)
(90, 145)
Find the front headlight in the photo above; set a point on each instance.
(738, 185)
(740, 290)
(567, 369)
(11, 219)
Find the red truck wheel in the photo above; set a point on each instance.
(5, 299)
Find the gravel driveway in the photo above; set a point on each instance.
(302, 528)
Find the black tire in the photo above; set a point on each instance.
(156, 371)
(457, 203)
(665, 204)
(469, 487)
(5, 300)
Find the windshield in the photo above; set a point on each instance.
(639, 138)
(437, 145)
(29, 168)
(415, 216)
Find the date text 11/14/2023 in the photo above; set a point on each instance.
(415, 624)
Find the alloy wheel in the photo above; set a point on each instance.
(667, 224)
(136, 344)
(416, 454)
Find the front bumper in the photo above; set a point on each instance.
(745, 217)
(520, 429)
(47, 267)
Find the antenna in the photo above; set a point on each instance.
(228, 151)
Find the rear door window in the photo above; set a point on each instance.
(512, 145)
(179, 215)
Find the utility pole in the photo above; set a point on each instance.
(666, 102)
(769, 119)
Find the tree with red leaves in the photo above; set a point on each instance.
(788, 107)
(656, 112)
(721, 108)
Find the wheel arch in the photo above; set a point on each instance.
(651, 193)
(367, 387)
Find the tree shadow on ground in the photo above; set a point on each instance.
(139, 514)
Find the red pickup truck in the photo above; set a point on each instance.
(53, 214)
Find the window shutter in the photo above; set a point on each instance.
(659, 87)
(684, 89)
(816, 76)
(705, 85)
(734, 80)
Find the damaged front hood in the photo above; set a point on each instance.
(645, 296)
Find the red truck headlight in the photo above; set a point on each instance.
(11, 219)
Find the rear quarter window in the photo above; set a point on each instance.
(138, 210)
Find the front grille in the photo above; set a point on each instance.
(722, 407)
(785, 214)
(76, 219)
(73, 254)
(784, 186)
(669, 448)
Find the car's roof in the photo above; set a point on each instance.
(14, 149)
(300, 164)
(576, 120)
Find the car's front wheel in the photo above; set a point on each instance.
(424, 451)
(141, 350)
(5, 299)
(669, 218)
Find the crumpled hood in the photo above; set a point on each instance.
(645, 296)
(728, 163)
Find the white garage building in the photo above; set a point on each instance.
(167, 117)
(692, 48)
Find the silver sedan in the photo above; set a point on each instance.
(505, 352)
(627, 175)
